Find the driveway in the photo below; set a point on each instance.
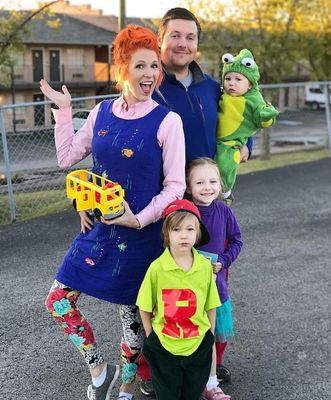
(280, 289)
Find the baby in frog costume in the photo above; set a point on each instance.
(242, 112)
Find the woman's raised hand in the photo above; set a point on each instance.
(62, 100)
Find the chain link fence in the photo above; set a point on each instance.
(32, 184)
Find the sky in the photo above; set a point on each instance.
(134, 8)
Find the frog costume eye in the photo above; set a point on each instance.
(244, 64)
(227, 58)
(248, 62)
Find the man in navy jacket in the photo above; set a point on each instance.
(185, 88)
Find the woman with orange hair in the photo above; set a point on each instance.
(139, 144)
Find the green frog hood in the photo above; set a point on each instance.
(243, 63)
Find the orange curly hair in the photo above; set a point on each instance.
(127, 41)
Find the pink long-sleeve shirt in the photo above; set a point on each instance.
(73, 147)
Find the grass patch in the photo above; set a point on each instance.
(34, 204)
(281, 160)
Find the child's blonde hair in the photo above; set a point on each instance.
(172, 221)
(198, 162)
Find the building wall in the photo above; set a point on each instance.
(23, 71)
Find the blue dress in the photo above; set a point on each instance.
(109, 262)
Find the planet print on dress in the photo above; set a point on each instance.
(89, 261)
(103, 132)
(122, 246)
(127, 153)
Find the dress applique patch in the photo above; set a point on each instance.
(89, 261)
(127, 153)
(103, 132)
(122, 246)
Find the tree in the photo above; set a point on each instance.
(315, 39)
(284, 35)
(13, 25)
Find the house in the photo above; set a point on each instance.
(77, 54)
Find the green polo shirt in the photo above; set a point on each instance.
(179, 301)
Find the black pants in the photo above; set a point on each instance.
(178, 377)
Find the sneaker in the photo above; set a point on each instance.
(215, 394)
(223, 373)
(103, 392)
(146, 388)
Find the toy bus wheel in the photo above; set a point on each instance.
(97, 213)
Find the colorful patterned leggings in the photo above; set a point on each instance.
(61, 303)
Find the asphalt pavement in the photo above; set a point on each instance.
(280, 288)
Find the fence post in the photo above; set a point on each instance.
(327, 114)
(265, 143)
(7, 167)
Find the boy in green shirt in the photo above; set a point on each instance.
(177, 302)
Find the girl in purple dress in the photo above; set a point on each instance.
(139, 144)
(204, 186)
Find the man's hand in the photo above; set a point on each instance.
(244, 154)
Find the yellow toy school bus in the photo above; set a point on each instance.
(93, 192)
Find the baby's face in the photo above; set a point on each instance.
(236, 84)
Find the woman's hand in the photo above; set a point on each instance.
(62, 100)
(85, 221)
(217, 267)
(127, 219)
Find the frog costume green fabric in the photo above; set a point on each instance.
(240, 116)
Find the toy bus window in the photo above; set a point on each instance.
(97, 197)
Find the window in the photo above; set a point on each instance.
(76, 57)
(315, 90)
(19, 98)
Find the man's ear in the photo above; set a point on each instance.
(159, 40)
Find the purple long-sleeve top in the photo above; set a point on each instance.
(225, 240)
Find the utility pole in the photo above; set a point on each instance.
(13, 95)
(121, 15)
